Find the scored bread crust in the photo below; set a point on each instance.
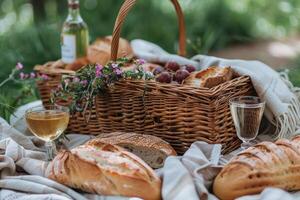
(106, 170)
(149, 141)
(209, 77)
(133, 142)
(266, 164)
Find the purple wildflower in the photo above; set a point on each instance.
(84, 82)
(19, 66)
(140, 61)
(118, 71)
(115, 65)
(67, 81)
(32, 75)
(76, 80)
(98, 70)
(22, 76)
(98, 74)
(44, 77)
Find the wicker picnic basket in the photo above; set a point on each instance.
(179, 114)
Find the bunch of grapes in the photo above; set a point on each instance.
(173, 72)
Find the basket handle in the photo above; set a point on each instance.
(126, 7)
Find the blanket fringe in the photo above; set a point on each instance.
(289, 122)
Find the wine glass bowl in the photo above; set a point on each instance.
(247, 112)
(47, 124)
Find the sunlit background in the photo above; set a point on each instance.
(267, 30)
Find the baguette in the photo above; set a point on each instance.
(77, 64)
(151, 149)
(106, 170)
(209, 77)
(266, 164)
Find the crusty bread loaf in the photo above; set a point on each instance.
(105, 169)
(77, 64)
(266, 164)
(209, 77)
(151, 149)
(99, 51)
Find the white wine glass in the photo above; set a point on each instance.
(48, 124)
(247, 112)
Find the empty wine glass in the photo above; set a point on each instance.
(48, 124)
(247, 112)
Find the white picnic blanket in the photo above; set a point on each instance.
(282, 98)
(187, 177)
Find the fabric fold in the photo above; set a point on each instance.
(192, 174)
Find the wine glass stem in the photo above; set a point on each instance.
(245, 145)
(50, 150)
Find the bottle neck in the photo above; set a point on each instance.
(74, 12)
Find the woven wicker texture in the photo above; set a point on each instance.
(178, 114)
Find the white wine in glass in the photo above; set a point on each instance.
(247, 113)
(48, 124)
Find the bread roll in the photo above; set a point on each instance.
(99, 51)
(151, 149)
(77, 64)
(147, 67)
(266, 164)
(209, 77)
(106, 170)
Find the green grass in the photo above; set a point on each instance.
(294, 72)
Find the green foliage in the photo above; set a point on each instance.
(294, 72)
(16, 91)
(14, 95)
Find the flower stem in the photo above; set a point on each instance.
(10, 77)
(5, 81)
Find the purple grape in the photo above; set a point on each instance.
(164, 77)
(189, 68)
(180, 75)
(158, 70)
(172, 66)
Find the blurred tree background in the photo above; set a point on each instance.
(30, 29)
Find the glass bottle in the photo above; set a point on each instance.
(75, 35)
